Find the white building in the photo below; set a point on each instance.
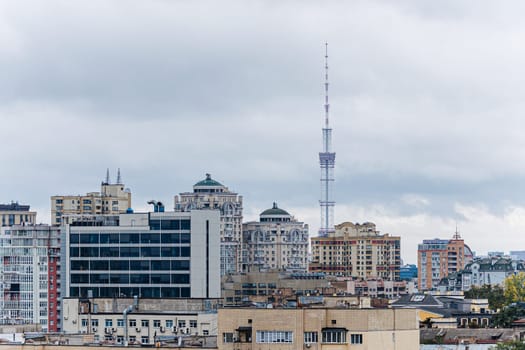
(151, 255)
(276, 241)
(209, 194)
(29, 269)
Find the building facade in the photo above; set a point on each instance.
(276, 241)
(151, 255)
(209, 194)
(146, 321)
(16, 214)
(30, 268)
(437, 258)
(113, 198)
(357, 250)
(317, 328)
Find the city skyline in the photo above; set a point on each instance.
(425, 106)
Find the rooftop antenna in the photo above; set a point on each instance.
(456, 233)
(119, 179)
(107, 176)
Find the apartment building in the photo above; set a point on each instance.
(16, 214)
(29, 276)
(437, 258)
(151, 255)
(113, 198)
(276, 241)
(317, 328)
(209, 194)
(136, 321)
(357, 250)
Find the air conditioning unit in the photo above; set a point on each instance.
(137, 329)
(107, 330)
(174, 329)
(162, 329)
(182, 331)
(94, 329)
(113, 330)
(82, 331)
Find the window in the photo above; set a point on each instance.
(274, 337)
(109, 323)
(132, 339)
(310, 337)
(144, 323)
(94, 323)
(169, 323)
(227, 337)
(205, 332)
(182, 323)
(356, 339)
(84, 322)
(133, 323)
(193, 323)
(156, 323)
(334, 336)
(120, 339)
(120, 322)
(144, 340)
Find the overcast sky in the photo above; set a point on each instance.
(427, 105)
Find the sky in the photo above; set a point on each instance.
(426, 99)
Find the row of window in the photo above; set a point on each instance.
(129, 252)
(329, 336)
(130, 265)
(126, 278)
(129, 238)
(143, 323)
(142, 292)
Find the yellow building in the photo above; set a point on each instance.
(112, 199)
(16, 214)
(357, 250)
(317, 328)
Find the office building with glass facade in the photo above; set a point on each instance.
(151, 255)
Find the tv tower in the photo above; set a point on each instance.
(327, 162)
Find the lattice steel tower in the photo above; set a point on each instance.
(327, 162)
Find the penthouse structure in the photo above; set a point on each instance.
(276, 241)
(210, 194)
(149, 255)
(113, 198)
(16, 214)
(437, 258)
(30, 272)
(357, 250)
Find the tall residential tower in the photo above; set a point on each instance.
(327, 162)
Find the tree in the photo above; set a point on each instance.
(507, 315)
(515, 288)
(514, 345)
(495, 295)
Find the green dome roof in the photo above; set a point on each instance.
(275, 211)
(208, 181)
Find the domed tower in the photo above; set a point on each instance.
(276, 242)
(209, 194)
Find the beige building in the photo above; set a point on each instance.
(357, 250)
(16, 214)
(149, 321)
(210, 194)
(276, 241)
(112, 199)
(318, 328)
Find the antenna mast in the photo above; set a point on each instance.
(327, 163)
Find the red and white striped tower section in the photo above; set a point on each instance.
(327, 162)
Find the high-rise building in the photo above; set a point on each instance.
(113, 198)
(16, 214)
(209, 194)
(437, 258)
(357, 250)
(150, 255)
(327, 163)
(29, 282)
(276, 241)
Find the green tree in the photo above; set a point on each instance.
(507, 315)
(514, 345)
(495, 295)
(515, 288)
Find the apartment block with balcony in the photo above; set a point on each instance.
(16, 214)
(357, 250)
